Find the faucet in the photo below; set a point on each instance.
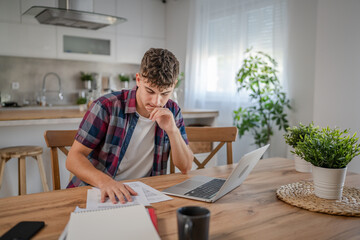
(61, 97)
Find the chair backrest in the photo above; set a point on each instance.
(58, 139)
(210, 134)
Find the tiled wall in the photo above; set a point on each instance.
(29, 73)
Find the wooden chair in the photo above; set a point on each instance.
(58, 139)
(210, 134)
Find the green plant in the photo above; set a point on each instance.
(81, 100)
(328, 148)
(180, 78)
(124, 78)
(86, 76)
(258, 76)
(297, 134)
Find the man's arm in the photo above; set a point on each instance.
(78, 163)
(181, 154)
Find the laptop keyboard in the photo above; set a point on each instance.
(207, 190)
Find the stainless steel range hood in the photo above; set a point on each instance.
(72, 18)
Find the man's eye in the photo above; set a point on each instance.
(165, 94)
(149, 91)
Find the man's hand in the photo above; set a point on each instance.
(114, 189)
(165, 119)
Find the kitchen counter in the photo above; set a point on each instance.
(23, 116)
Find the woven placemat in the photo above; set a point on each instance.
(301, 194)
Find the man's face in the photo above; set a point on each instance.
(149, 97)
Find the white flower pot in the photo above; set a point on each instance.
(301, 165)
(329, 182)
(87, 84)
(82, 107)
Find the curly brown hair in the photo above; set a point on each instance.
(160, 68)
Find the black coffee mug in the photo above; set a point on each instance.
(193, 223)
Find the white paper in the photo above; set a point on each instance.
(152, 194)
(94, 199)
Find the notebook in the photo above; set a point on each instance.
(210, 189)
(131, 222)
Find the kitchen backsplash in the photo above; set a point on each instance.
(29, 74)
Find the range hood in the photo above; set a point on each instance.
(72, 18)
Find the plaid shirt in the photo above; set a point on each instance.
(107, 128)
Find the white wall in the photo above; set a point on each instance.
(337, 78)
(300, 63)
(176, 31)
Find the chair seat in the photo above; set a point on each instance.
(18, 151)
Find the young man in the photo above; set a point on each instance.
(128, 134)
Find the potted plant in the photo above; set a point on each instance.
(295, 135)
(329, 151)
(87, 78)
(81, 101)
(177, 89)
(258, 76)
(124, 80)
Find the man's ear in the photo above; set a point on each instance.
(137, 79)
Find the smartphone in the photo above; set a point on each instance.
(23, 230)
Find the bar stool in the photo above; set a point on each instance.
(21, 152)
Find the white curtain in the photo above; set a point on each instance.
(219, 34)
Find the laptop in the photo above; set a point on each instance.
(209, 189)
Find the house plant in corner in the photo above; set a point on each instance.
(294, 135)
(177, 90)
(329, 151)
(258, 77)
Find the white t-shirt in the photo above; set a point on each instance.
(139, 156)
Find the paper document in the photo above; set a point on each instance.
(152, 194)
(93, 200)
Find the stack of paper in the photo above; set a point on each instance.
(115, 221)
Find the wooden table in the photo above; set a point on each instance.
(251, 211)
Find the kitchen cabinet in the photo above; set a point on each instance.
(145, 29)
(23, 36)
(21, 40)
(153, 20)
(90, 40)
(107, 7)
(10, 11)
(132, 11)
(131, 49)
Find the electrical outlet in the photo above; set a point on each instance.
(15, 85)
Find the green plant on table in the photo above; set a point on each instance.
(328, 148)
(258, 76)
(296, 134)
(86, 76)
